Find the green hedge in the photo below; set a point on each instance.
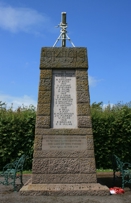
(111, 130)
(112, 133)
(16, 134)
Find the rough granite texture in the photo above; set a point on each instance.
(46, 74)
(81, 74)
(67, 165)
(44, 97)
(51, 131)
(61, 166)
(90, 189)
(43, 109)
(38, 142)
(83, 109)
(84, 122)
(45, 84)
(63, 178)
(63, 58)
(62, 154)
(83, 97)
(43, 122)
(82, 85)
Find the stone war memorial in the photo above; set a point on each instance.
(63, 159)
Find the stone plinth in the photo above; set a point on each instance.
(91, 189)
(63, 160)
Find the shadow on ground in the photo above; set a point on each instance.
(7, 195)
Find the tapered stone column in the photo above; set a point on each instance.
(63, 160)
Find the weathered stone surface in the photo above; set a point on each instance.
(45, 84)
(38, 142)
(82, 85)
(84, 122)
(64, 166)
(65, 154)
(88, 165)
(44, 97)
(81, 74)
(83, 97)
(90, 189)
(90, 144)
(63, 57)
(40, 166)
(46, 73)
(43, 122)
(43, 109)
(83, 109)
(78, 131)
(63, 178)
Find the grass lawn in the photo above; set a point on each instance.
(104, 170)
(97, 170)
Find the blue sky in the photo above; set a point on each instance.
(103, 26)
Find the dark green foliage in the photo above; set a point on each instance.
(16, 134)
(112, 132)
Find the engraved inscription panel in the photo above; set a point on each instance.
(61, 142)
(63, 57)
(64, 114)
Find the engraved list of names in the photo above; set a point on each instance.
(64, 99)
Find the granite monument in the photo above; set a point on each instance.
(63, 160)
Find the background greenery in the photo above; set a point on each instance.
(111, 130)
(17, 129)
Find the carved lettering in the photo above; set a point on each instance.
(60, 142)
(64, 55)
(81, 55)
(64, 99)
(58, 54)
(71, 56)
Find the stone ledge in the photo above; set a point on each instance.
(89, 153)
(53, 131)
(92, 189)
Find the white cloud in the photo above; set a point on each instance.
(92, 81)
(109, 105)
(20, 19)
(17, 101)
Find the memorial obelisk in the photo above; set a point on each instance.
(63, 159)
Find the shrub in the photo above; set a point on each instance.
(17, 130)
(112, 132)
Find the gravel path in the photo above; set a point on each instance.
(8, 196)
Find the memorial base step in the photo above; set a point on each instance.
(89, 189)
